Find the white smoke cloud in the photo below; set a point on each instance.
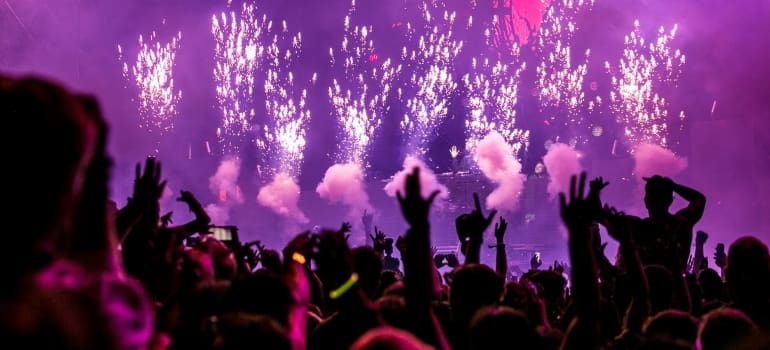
(282, 196)
(224, 183)
(428, 180)
(561, 161)
(651, 159)
(495, 158)
(344, 183)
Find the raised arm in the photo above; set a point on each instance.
(202, 219)
(418, 263)
(699, 257)
(696, 202)
(470, 229)
(619, 226)
(296, 261)
(577, 214)
(501, 261)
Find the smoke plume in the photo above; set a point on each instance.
(495, 158)
(282, 196)
(224, 183)
(561, 162)
(428, 180)
(651, 159)
(344, 183)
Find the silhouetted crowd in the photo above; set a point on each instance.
(81, 273)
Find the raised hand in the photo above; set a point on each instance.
(474, 224)
(345, 228)
(576, 213)
(148, 185)
(414, 207)
(186, 197)
(597, 184)
(720, 258)
(500, 228)
(690, 264)
(166, 219)
(378, 240)
(701, 238)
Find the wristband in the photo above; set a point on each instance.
(335, 294)
(299, 258)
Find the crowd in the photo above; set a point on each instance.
(82, 273)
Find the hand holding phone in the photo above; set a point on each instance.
(720, 258)
(225, 234)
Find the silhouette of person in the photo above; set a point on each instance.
(664, 238)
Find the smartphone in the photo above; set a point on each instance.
(226, 234)
(221, 233)
(720, 247)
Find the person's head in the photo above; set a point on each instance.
(208, 260)
(249, 331)
(389, 338)
(262, 293)
(387, 279)
(50, 142)
(710, 283)
(271, 260)
(726, 329)
(748, 271)
(473, 287)
(502, 328)
(551, 288)
(392, 308)
(192, 322)
(673, 326)
(368, 265)
(519, 296)
(658, 195)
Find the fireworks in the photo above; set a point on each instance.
(560, 84)
(360, 99)
(433, 79)
(250, 48)
(238, 53)
(282, 139)
(492, 97)
(153, 76)
(644, 67)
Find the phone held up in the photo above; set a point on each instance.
(225, 234)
